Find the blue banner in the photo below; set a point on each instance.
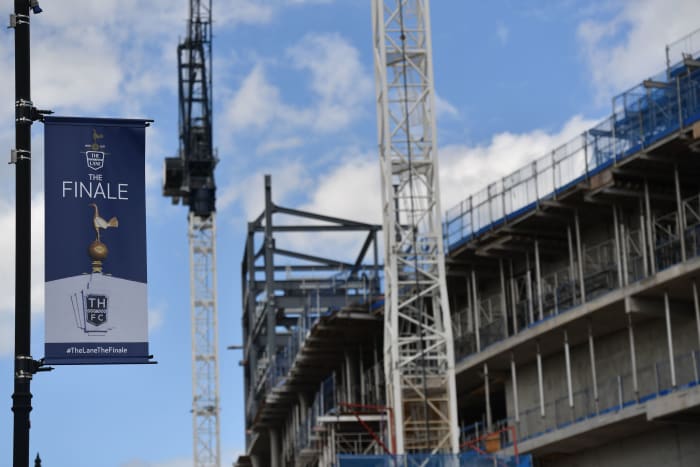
(96, 307)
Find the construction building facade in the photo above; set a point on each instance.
(573, 293)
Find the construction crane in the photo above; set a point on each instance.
(189, 178)
(418, 345)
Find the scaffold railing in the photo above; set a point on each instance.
(675, 51)
(609, 396)
(465, 459)
(560, 288)
(642, 116)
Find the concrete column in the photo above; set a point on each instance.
(538, 278)
(625, 257)
(696, 305)
(633, 355)
(513, 297)
(377, 374)
(618, 246)
(594, 373)
(487, 393)
(669, 335)
(470, 301)
(477, 318)
(363, 383)
(504, 302)
(514, 379)
(303, 407)
(567, 358)
(681, 220)
(650, 228)
(275, 458)
(349, 377)
(579, 253)
(528, 293)
(572, 262)
(643, 240)
(540, 382)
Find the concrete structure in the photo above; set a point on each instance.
(574, 285)
(574, 290)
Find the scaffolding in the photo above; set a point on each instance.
(644, 116)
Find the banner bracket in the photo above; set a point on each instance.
(28, 367)
(19, 155)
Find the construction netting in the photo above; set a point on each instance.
(467, 459)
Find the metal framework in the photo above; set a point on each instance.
(418, 345)
(300, 310)
(189, 178)
(205, 340)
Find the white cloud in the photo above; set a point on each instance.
(7, 270)
(115, 57)
(156, 317)
(444, 109)
(338, 79)
(257, 104)
(256, 12)
(502, 32)
(351, 190)
(245, 12)
(7, 334)
(273, 145)
(628, 48)
(84, 81)
(339, 87)
(288, 179)
(464, 170)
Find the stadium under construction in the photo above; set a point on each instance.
(567, 292)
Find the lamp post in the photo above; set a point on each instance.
(22, 397)
(25, 115)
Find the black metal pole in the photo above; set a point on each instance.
(22, 397)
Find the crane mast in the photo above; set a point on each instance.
(418, 344)
(189, 178)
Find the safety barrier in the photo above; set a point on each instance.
(466, 459)
(611, 395)
(642, 116)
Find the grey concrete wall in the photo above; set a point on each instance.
(665, 445)
(612, 359)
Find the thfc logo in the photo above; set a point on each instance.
(96, 309)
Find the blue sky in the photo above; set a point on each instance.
(294, 97)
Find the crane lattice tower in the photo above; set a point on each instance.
(189, 178)
(418, 345)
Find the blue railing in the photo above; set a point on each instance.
(466, 459)
(642, 116)
(613, 395)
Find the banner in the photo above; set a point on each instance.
(95, 248)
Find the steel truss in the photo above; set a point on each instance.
(205, 340)
(418, 345)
